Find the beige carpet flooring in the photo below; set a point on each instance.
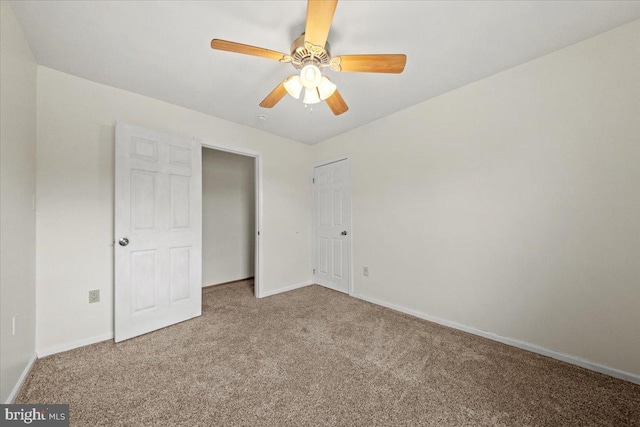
(315, 357)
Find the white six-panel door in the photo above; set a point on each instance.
(332, 225)
(158, 230)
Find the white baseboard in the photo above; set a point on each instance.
(21, 380)
(73, 345)
(285, 289)
(574, 360)
(226, 283)
(333, 288)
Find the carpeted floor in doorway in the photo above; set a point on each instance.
(315, 357)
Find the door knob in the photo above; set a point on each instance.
(123, 242)
(344, 233)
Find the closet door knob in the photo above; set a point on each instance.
(123, 242)
(344, 233)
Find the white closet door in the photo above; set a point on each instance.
(332, 222)
(158, 230)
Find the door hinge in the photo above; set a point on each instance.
(313, 180)
(314, 271)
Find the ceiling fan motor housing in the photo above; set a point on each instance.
(302, 54)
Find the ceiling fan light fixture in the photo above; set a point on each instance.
(310, 76)
(293, 86)
(326, 88)
(311, 96)
(310, 54)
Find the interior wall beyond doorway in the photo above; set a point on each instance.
(228, 216)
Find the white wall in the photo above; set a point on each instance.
(228, 216)
(17, 187)
(512, 205)
(75, 199)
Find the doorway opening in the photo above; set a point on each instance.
(230, 216)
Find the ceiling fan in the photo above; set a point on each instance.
(310, 54)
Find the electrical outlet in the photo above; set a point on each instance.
(94, 296)
(365, 271)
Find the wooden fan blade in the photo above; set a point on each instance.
(370, 63)
(337, 104)
(246, 49)
(275, 96)
(319, 17)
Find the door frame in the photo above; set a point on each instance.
(257, 268)
(350, 235)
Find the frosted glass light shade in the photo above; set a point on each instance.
(326, 88)
(310, 76)
(311, 96)
(293, 86)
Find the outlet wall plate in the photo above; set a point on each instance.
(94, 296)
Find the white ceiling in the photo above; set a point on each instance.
(161, 49)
